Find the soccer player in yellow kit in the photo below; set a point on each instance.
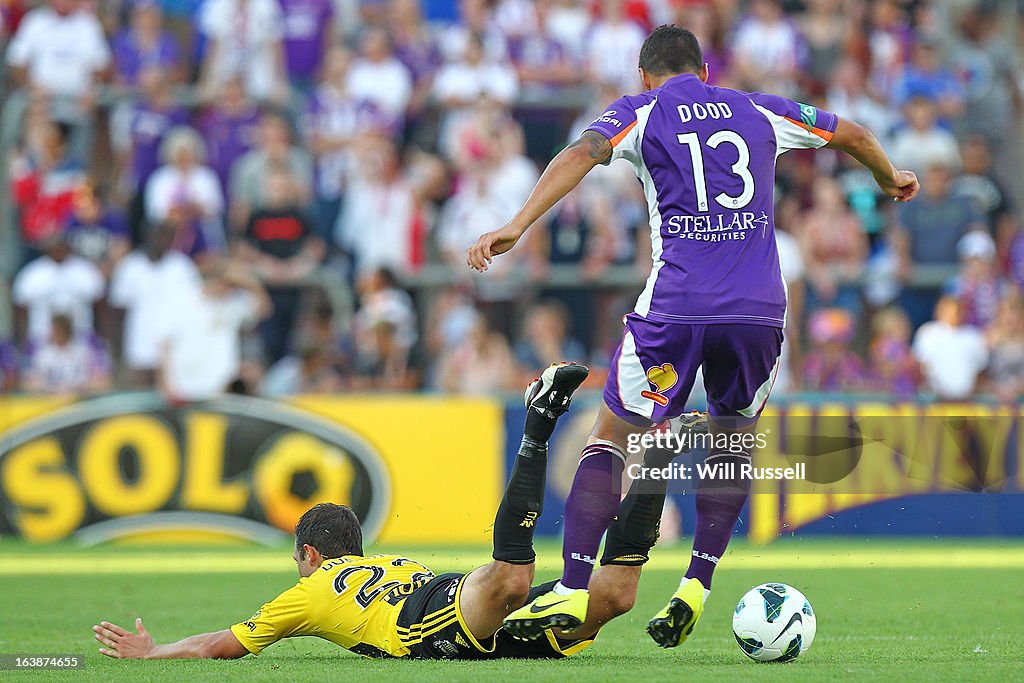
(392, 606)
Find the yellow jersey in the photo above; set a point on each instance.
(352, 601)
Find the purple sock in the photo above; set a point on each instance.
(719, 503)
(590, 509)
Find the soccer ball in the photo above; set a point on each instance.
(773, 623)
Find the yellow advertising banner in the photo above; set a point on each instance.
(853, 456)
(445, 460)
(415, 469)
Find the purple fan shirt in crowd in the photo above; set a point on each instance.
(1016, 260)
(706, 157)
(93, 240)
(59, 373)
(334, 114)
(422, 59)
(228, 137)
(823, 373)
(190, 240)
(8, 363)
(535, 50)
(131, 58)
(147, 129)
(305, 25)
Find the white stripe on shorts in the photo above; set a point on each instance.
(761, 395)
(633, 379)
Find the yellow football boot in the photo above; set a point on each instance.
(548, 611)
(673, 625)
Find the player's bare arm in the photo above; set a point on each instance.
(564, 173)
(860, 143)
(120, 643)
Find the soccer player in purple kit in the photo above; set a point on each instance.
(715, 298)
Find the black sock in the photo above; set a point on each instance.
(540, 425)
(638, 522)
(516, 521)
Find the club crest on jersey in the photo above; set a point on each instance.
(809, 115)
(662, 377)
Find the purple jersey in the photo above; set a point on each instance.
(335, 114)
(536, 51)
(421, 57)
(706, 159)
(8, 365)
(131, 57)
(228, 137)
(93, 240)
(305, 24)
(147, 128)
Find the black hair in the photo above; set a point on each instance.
(64, 131)
(330, 528)
(671, 49)
(387, 275)
(64, 323)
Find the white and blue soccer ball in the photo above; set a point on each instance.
(774, 622)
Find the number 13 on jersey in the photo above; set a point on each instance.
(740, 168)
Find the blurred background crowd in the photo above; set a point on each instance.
(274, 196)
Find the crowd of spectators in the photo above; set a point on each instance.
(275, 196)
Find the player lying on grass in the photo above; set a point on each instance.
(388, 605)
(715, 297)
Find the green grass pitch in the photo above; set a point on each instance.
(887, 611)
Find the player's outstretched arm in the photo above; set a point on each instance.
(123, 644)
(564, 173)
(862, 145)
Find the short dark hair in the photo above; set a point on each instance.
(671, 49)
(63, 323)
(64, 130)
(387, 276)
(330, 528)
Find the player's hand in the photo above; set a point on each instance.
(490, 244)
(123, 644)
(902, 187)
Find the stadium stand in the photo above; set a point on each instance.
(346, 153)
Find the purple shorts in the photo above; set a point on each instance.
(654, 368)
